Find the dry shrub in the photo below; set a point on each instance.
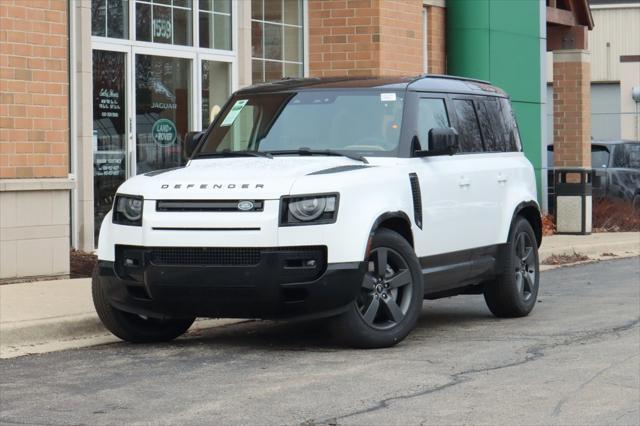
(614, 216)
(548, 225)
(82, 263)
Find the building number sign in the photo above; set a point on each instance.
(162, 28)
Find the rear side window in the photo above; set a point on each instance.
(509, 120)
(493, 126)
(432, 114)
(469, 129)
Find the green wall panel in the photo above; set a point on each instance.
(468, 14)
(471, 41)
(515, 16)
(518, 74)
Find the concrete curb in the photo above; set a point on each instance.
(54, 334)
(619, 248)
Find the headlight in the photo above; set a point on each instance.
(128, 210)
(309, 209)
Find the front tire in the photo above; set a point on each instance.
(131, 327)
(390, 299)
(514, 292)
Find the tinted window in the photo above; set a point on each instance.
(627, 156)
(495, 130)
(432, 113)
(509, 121)
(470, 138)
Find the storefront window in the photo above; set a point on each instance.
(109, 130)
(215, 89)
(110, 18)
(276, 39)
(215, 24)
(164, 21)
(162, 111)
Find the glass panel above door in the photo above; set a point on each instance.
(164, 21)
(109, 130)
(162, 111)
(215, 89)
(215, 24)
(110, 18)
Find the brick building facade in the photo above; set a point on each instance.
(34, 138)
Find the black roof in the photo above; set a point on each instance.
(427, 83)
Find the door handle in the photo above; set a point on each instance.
(464, 181)
(502, 178)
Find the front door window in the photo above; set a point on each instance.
(162, 111)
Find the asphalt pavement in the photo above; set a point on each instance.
(574, 360)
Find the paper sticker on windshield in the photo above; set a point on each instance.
(234, 112)
(387, 97)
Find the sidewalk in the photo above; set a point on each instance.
(45, 316)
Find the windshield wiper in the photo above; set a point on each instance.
(307, 151)
(228, 153)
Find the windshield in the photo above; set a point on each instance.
(362, 122)
(599, 157)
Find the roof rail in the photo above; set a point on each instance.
(449, 77)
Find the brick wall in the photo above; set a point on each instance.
(571, 110)
(436, 46)
(34, 89)
(365, 37)
(401, 38)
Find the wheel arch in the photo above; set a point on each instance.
(397, 221)
(531, 212)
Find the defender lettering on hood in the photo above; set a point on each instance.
(213, 186)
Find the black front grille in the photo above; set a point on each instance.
(219, 256)
(209, 205)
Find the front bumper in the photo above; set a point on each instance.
(280, 282)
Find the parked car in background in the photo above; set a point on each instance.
(617, 171)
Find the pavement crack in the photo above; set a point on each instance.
(533, 353)
(558, 407)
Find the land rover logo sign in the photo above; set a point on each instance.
(164, 132)
(245, 206)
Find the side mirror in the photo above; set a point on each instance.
(442, 141)
(191, 140)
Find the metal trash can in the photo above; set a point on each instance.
(573, 200)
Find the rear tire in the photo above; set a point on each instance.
(513, 293)
(390, 300)
(131, 327)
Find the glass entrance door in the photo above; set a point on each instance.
(109, 129)
(163, 105)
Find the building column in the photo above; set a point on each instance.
(365, 38)
(572, 136)
(83, 112)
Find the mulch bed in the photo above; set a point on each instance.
(563, 259)
(82, 263)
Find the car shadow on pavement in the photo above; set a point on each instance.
(316, 335)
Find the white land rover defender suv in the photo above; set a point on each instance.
(350, 199)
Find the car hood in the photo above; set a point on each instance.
(230, 178)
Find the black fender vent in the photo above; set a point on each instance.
(417, 199)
